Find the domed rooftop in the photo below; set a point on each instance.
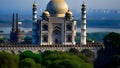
(57, 8)
(46, 13)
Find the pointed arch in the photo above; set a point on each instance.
(45, 38)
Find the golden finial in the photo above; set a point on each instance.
(69, 12)
(35, 4)
(84, 4)
(34, 1)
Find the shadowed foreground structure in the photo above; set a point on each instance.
(18, 48)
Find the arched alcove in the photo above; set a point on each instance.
(56, 35)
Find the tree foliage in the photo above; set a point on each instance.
(1, 31)
(109, 57)
(74, 51)
(29, 54)
(29, 63)
(47, 59)
(81, 55)
(112, 40)
(8, 60)
(27, 40)
(88, 53)
(57, 59)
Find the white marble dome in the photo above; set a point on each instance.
(57, 8)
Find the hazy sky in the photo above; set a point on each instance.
(73, 4)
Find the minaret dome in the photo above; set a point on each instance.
(46, 13)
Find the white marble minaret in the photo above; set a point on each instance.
(34, 24)
(83, 25)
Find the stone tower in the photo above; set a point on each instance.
(83, 25)
(18, 32)
(12, 33)
(34, 25)
(15, 34)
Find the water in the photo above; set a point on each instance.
(8, 29)
(89, 30)
(92, 30)
(102, 24)
(92, 26)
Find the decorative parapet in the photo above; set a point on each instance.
(17, 48)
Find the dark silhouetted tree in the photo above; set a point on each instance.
(112, 40)
(74, 51)
(88, 53)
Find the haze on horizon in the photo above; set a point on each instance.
(22, 5)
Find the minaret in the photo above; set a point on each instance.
(34, 12)
(34, 25)
(83, 25)
(16, 21)
(12, 33)
(18, 32)
(13, 23)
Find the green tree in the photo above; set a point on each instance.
(116, 61)
(109, 57)
(46, 53)
(1, 31)
(27, 40)
(74, 51)
(1, 40)
(112, 40)
(89, 40)
(80, 55)
(29, 63)
(29, 54)
(58, 59)
(8, 60)
(88, 53)
(66, 63)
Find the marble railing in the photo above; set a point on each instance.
(18, 48)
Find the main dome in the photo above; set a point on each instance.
(57, 8)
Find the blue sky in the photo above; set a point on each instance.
(73, 4)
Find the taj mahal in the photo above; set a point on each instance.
(55, 30)
(57, 25)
